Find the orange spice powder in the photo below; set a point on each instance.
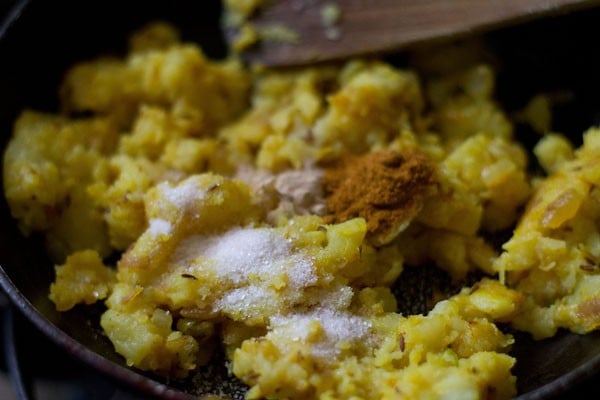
(386, 188)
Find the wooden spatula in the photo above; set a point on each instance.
(321, 30)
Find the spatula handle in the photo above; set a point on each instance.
(372, 26)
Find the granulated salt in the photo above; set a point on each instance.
(159, 226)
(338, 326)
(183, 194)
(249, 260)
(241, 253)
(246, 299)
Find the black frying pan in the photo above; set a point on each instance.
(40, 39)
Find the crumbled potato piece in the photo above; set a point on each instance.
(82, 279)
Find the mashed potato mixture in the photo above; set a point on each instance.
(270, 213)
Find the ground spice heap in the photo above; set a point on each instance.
(386, 188)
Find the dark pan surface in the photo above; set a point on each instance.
(42, 38)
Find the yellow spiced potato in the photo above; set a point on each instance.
(552, 256)
(82, 279)
(269, 215)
